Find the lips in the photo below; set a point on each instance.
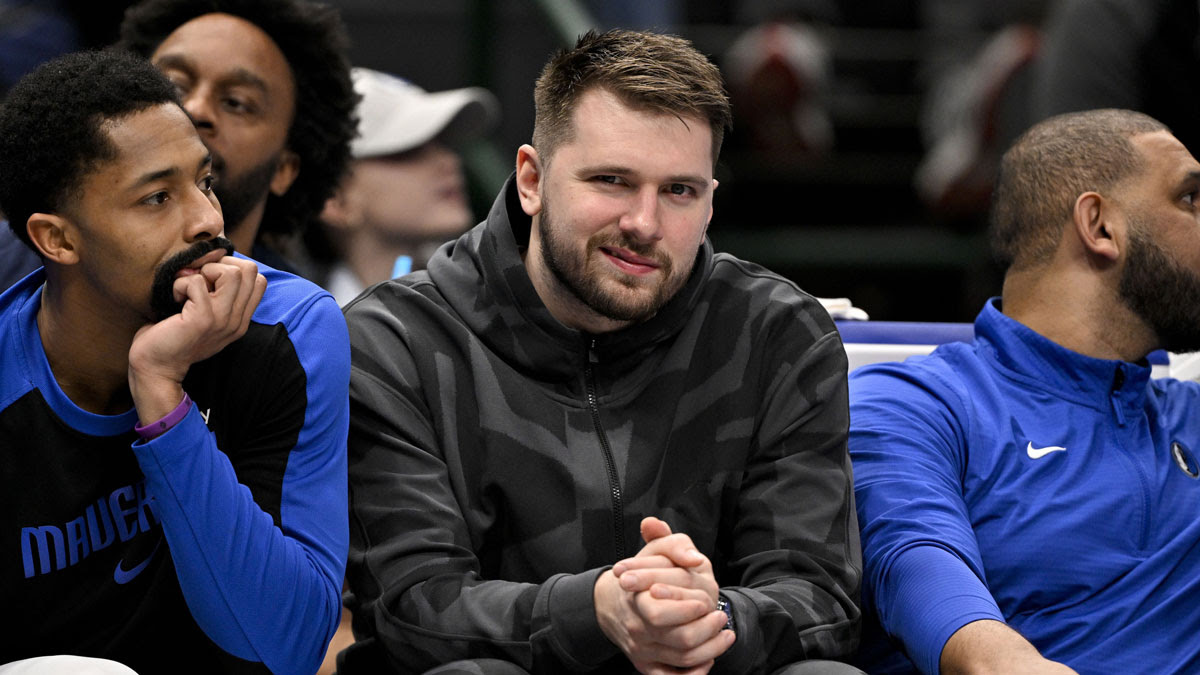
(210, 257)
(629, 261)
(452, 193)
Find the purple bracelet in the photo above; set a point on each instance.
(156, 429)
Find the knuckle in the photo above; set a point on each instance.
(653, 615)
(681, 538)
(697, 655)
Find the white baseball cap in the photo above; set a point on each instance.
(396, 115)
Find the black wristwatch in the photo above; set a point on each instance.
(724, 606)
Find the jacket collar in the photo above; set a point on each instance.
(1053, 367)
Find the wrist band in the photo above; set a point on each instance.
(155, 429)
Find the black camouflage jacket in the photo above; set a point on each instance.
(499, 462)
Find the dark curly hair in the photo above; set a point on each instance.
(313, 39)
(50, 127)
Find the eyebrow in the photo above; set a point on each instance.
(171, 172)
(1188, 179)
(624, 171)
(237, 76)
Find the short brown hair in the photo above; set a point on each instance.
(647, 71)
(1047, 169)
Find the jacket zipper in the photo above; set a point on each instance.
(1134, 459)
(614, 481)
(1115, 395)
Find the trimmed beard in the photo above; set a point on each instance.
(577, 273)
(162, 291)
(239, 195)
(1161, 291)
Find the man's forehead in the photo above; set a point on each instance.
(150, 141)
(611, 117)
(1165, 154)
(227, 44)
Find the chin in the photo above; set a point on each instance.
(437, 230)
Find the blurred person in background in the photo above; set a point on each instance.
(267, 84)
(405, 193)
(1135, 54)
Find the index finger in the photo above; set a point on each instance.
(678, 548)
(642, 563)
(255, 293)
(243, 268)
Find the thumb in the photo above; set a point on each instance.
(654, 528)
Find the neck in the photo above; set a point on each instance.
(1077, 311)
(372, 259)
(88, 353)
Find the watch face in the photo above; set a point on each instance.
(724, 606)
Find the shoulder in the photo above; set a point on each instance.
(1178, 397)
(307, 316)
(16, 315)
(949, 378)
(399, 306)
(919, 412)
(737, 285)
(290, 299)
(16, 259)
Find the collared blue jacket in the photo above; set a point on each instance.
(1013, 479)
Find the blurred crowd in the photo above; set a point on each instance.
(910, 103)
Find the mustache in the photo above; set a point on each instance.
(644, 249)
(162, 292)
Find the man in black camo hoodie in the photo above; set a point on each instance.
(582, 441)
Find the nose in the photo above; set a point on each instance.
(197, 104)
(204, 217)
(641, 219)
(437, 157)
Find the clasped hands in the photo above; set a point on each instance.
(218, 302)
(660, 607)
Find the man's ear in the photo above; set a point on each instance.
(529, 180)
(54, 236)
(337, 211)
(285, 172)
(1099, 226)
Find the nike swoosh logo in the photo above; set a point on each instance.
(123, 576)
(1038, 453)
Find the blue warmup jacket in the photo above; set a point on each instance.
(1016, 480)
(219, 546)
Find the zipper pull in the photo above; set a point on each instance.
(592, 358)
(1115, 397)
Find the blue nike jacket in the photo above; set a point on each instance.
(1013, 479)
(217, 547)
